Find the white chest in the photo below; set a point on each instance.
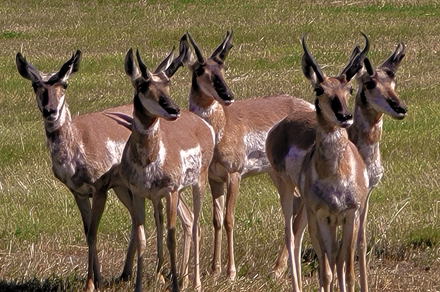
(191, 162)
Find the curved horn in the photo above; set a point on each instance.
(356, 63)
(308, 62)
(393, 61)
(223, 48)
(199, 55)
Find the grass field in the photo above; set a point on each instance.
(42, 246)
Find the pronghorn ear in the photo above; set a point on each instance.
(198, 53)
(70, 66)
(130, 66)
(25, 69)
(393, 61)
(223, 48)
(141, 66)
(188, 58)
(178, 61)
(165, 62)
(309, 67)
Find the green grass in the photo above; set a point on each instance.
(42, 246)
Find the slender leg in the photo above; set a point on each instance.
(172, 201)
(287, 202)
(323, 236)
(126, 198)
(231, 196)
(281, 261)
(158, 221)
(362, 247)
(299, 225)
(139, 212)
(86, 215)
(345, 259)
(186, 217)
(198, 192)
(218, 205)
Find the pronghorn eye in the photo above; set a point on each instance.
(370, 84)
(319, 91)
(35, 86)
(143, 87)
(389, 73)
(200, 71)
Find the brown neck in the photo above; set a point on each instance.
(145, 137)
(208, 109)
(366, 130)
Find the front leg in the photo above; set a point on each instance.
(198, 192)
(362, 247)
(139, 218)
(172, 201)
(186, 218)
(287, 202)
(218, 205)
(231, 196)
(99, 198)
(85, 210)
(126, 197)
(158, 221)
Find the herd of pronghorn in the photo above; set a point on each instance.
(323, 160)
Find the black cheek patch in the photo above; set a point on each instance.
(169, 107)
(220, 88)
(45, 99)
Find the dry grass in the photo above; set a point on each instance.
(42, 246)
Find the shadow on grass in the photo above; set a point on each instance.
(51, 284)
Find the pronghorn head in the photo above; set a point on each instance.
(332, 93)
(209, 74)
(49, 88)
(152, 90)
(377, 85)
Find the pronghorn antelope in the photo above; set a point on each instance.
(81, 149)
(167, 150)
(375, 96)
(240, 132)
(311, 151)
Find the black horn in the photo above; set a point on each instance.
(393, 61)
(309, 62)
(222, 50)
(355, 64)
